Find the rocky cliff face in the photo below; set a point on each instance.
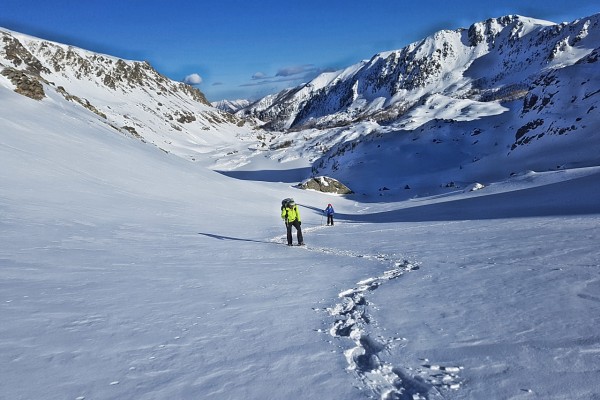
(130, 96)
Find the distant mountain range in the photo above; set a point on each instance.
(501, 96)
(496, 60)
(231, 106)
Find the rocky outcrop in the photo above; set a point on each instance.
(26, 84)
(20, 57)
(326, 185)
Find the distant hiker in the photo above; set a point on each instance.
(329, 212)
(291, 217)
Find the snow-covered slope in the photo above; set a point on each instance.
(130, 273)
(128, 96)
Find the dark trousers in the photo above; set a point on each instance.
(296, 225)
(330, 219)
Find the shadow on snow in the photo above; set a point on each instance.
(222, 237)
(579, 196)
(287, 176)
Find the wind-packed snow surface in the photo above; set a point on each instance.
(465, 266)
(130, 273)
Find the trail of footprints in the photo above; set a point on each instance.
(351, 321)
(364, 356)
(387, 381)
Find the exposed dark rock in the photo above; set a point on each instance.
(84, 102)
(20, 56)
(528, 127)
(25, 84)
(326, 185)
(186, 117)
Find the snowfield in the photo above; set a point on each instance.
(129, 273)
(142, 251)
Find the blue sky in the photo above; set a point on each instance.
(247, 49)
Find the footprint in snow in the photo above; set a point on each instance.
(385, 380)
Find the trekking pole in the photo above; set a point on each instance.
(321, 219)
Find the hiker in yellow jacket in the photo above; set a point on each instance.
(291, 217)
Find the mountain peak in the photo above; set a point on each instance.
(129, 96)
(464, 63)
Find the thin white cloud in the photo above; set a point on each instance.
(259, 75)
(193, 79)
(296, 70)
(295, 74)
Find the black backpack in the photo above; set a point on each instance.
(285, 202)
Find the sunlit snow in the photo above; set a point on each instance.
(128, 272)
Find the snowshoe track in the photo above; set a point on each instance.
(386, 381)
(351, 322)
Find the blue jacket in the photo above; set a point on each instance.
(328, 210)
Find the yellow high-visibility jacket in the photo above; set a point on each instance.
(290, 214)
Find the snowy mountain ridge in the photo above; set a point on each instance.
(231, 106)
(129, 96)
(486, 102)
(494, 59)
